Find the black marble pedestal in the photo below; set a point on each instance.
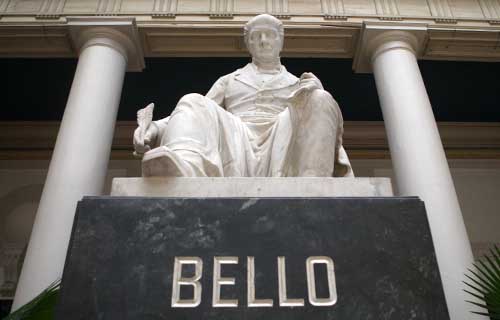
(121, 256)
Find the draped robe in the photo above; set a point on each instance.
(251, 125)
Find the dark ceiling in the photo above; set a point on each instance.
(37, 89)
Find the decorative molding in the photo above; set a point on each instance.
(333, 9)
(221, 8)
(449, 11)
(441, 11)
(341, 39)
(109, 6)
(376, 34)
(118, 32)
(51, 9)
(491, 10)
(29, 41)
(208, 42)
(446, 43)
(278, 8)
(3, 6)
(165, 8)
(362, 139)
(387, 10)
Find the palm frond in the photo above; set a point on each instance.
(485, 284)
(42, 307)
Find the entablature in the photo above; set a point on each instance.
(455, 29)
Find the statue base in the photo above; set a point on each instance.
(251, 187)
(251, 258)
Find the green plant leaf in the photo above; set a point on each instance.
(484, 283)
(490, 272)
(482, 288)
(42, 307)
(495, 253)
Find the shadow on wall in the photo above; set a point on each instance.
(16, 219)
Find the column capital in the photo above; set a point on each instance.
(378, 37)
(119, 33)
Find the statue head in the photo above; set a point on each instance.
(264, 35)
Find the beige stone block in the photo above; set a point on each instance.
(250, 6)
(20, 6)
(413, 8)
(137, 6)
(35, 42)
(78, 6)
(360, 7)
(466, 9)
(187, 6)
(304, 7)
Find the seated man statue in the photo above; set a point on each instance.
(259, 121)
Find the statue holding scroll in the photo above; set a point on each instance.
(259, 121)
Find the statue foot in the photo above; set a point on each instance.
(162, 162)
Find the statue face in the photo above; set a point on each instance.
(264, 43)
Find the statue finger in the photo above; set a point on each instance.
(139, 149)
(305, 75)
(147, 139)
(137, 140)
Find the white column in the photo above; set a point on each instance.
(419, 161)
(79, 162)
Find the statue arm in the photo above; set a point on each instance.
(218, 91)
(160, 129)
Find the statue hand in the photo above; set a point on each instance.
(307, 83)
(143, 140)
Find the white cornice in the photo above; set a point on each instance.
(199, 36)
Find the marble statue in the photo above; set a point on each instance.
(259, 121)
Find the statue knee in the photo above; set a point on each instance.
(194, 102)
(191, 98)
(321, 100)
(320, 96)
(195, 107)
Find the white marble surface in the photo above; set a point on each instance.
(259, 121)
(252, 187)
